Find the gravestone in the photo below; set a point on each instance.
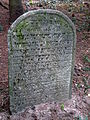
(41, 46)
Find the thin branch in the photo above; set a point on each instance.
(3, 5)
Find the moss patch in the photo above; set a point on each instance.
(20, 36)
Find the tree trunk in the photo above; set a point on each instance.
(16, 9)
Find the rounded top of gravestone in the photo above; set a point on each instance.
(47, 11)
(40, 11)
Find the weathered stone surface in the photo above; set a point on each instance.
(41, 49)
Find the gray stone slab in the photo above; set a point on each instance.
(41, 45)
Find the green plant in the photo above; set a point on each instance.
(86, 118)
(84, 25)
(86, 69)
(74, 20)
(86, 85)
(79, 118)
(30, 2)
(86, 59)
(85, 37)
(78, 85)
(62, 107)
(81, 7)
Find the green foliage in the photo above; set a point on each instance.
(86, 59)
(62, 107)
(30, 2)
(86, 69)
(86, 118)
(79, 118)
(78, 85)
(81, 7)
(74, 20)
(85, 37)
(86, 85)
(85, 24)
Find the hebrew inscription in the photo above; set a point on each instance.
(41, 48)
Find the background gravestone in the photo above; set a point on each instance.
(41, 50)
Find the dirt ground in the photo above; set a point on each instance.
(80, 102)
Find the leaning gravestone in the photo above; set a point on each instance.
(41, 49)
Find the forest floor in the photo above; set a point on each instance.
(79, 105)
